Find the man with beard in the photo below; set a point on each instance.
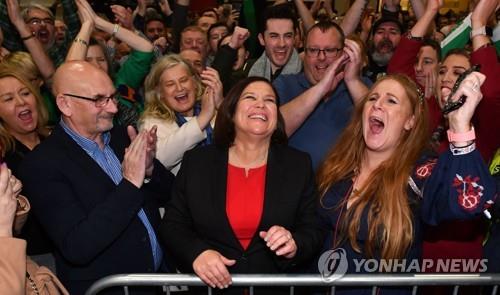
(385, 38)
(41, 21)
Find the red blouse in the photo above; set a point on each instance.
(245, 201)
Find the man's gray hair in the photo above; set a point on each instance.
(30, 6)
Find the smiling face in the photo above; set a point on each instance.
(256, 113)
(315, 66)
(427, 62)
(278, 41)
(387, 114)
(177, 90)
(449, 71)
(385, 40)
(18, 110)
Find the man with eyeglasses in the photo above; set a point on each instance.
(317, 103)
(95, 189)
(40, 21)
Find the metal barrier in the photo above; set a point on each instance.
(291, 281)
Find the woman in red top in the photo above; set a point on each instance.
(246, 204)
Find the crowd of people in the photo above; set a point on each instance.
(240, 140)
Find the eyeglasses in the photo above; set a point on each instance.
(99, 100)
(38, 21)
(329, 52)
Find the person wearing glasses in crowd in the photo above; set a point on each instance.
(41, 23)
(100, 190)
(317, 104)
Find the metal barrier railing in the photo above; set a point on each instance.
(292, 280)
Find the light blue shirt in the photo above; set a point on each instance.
(110, 164)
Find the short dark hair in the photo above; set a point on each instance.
(216, 25)
(224, 132)
(282, 11)
(324, 26)
(434, 45)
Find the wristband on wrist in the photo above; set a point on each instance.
(411, 37)
(116, 28)
(81, 41)
(27, 37)
(478, 31)
(461, 137)
(458, 151)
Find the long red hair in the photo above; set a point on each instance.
(390, 225)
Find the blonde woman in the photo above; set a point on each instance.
(183, 107)
(24, 63)
(23, 120)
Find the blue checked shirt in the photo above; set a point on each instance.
(108, 161)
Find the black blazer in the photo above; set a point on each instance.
(196, 219)
(92, 222)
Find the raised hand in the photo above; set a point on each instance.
(134, 161)
(239, 36)
(334, 74)
(14, 13)
(211, 267)
(430, 84)
(86, 16)
(355, 62)
(151, 139)
(8, 202)
(279, 240)
(459, 120)
(123, 16)
(210, 78)
(483, 10)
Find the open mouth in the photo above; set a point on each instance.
(281, 54)
(376, 124)
(181, 97)
(25, 116)
(43, 33)
(261, 117)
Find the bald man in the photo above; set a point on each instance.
(97, 200)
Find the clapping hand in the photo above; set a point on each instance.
(8, 202)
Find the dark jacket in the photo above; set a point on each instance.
(92, 222)
(196, 218)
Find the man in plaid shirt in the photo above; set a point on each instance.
(41, 23)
